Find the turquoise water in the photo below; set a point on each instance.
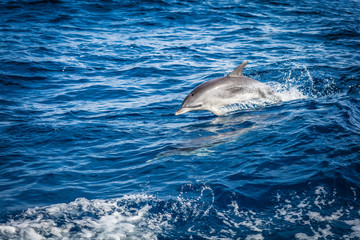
(90, 147)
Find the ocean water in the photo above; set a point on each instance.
(90, 147)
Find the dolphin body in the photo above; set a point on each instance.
(220, 92)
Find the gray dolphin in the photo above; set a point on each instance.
(220, 92)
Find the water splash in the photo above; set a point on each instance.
(250, 105)
(296, 83)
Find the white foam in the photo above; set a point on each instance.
(250, 219)
(355, 227)
(7, 230)
(93, 219)
(142, 216)
(320, 233)
(254, 237)
(318, 217)
(288, 93)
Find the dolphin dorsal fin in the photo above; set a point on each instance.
(239, 70)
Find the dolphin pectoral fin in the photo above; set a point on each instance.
(182, 110)
(239, 70)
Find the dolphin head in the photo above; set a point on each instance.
(192, 102)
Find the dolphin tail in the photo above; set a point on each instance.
(239, 70)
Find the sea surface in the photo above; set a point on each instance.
(90, 147)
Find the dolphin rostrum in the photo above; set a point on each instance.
(220, 92)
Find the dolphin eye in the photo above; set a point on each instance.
(192, 94)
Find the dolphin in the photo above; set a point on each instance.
(220, 92)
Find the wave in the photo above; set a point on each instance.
(314, 214)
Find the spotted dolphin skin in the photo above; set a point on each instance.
(220, 92)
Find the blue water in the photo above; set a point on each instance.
(91, 148)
